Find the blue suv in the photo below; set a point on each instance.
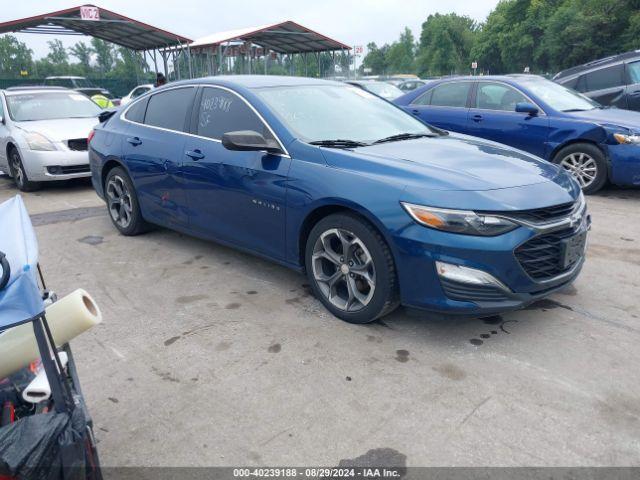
(592, 142)
(378, 208)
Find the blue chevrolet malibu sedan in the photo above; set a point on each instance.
(378, 208)
(530, 113)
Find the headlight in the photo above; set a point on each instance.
(459, 221)
(626, 139)
(37, 141)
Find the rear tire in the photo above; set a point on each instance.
(350, 269)
(122, 203)
(586, 163)
(17, 171)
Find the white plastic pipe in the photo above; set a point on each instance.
(68, 318)
(39, 389)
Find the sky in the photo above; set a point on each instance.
(351, 22)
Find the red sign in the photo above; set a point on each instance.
(474, 65)
(358, 49)
(90, 13)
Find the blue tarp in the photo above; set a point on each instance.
(21, 299)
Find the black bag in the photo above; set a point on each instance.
(48, 446)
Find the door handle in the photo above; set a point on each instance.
(135, 141)
(477, 118)
(415, 111)
(195, 154)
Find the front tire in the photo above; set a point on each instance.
(16, 168)
(350, 269)
(586, 163)
(122, 203)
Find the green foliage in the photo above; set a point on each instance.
(544, 35)
(82, 52)
(14, 57)
(445, 44)
(401, 55)
(376, 59)
(550, 35)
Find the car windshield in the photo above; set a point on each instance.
(29, 107)
(328, 112)
(82, 83)
(559, 97)
(385, 90)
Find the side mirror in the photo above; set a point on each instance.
(1, 119)
(248, 140)
(525, 107)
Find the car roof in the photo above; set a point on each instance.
(35, 89)
(595, 64)
(65, 77)
(510, 78)
(257, 81)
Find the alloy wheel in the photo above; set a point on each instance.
(343, 269)
(16, 167)
(582, 166)
(119, 201)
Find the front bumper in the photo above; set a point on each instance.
(419, 248)
(624, 164)
(55, 165)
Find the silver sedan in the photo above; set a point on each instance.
(43, 134)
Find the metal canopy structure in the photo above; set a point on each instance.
(246, 45)
(286, 37)
(210, 52)
(106, 25)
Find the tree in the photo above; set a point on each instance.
(14, 57)
(83, 53)
(57, 53)
(105, 55)
(445, 44)
(376, 59)
(400, 57)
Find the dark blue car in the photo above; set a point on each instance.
(538, 116)
(378, 208)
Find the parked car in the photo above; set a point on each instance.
(382, 89)
(540, 117)
(79, 84)
(613, 81)
(410, 85)
(43, 134)
(136, 92)
(378, 208)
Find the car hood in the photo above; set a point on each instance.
(61, 129)
(453, 162)
(610, 116)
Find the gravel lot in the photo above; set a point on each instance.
(208, 356)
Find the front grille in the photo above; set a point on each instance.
(472, 293)
(68, 169)
(543, 215)
(541, 257)
(78, 144)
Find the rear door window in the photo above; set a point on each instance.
(221, 111)
(453, 94)
(169, 109)
(609, 77)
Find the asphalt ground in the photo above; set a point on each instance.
(212, 357)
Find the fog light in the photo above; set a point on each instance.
(55, 170)
(460, 274)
